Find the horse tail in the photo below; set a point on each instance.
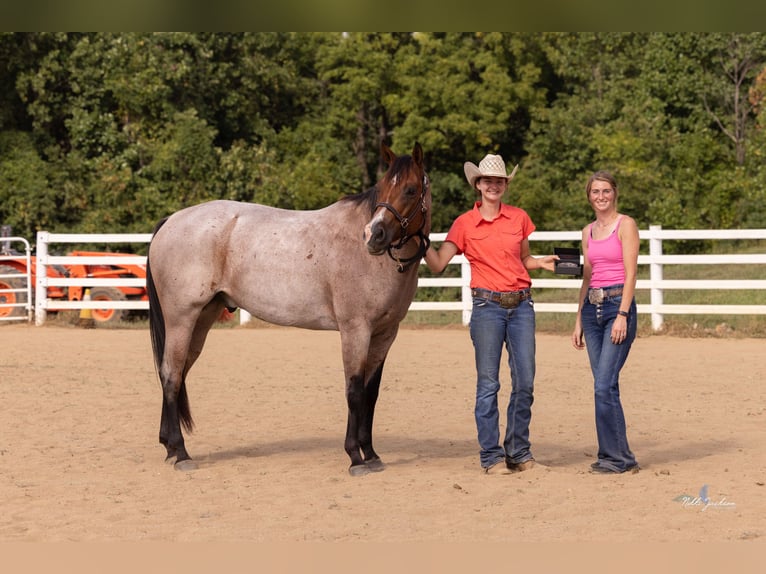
(156, 320)
(157, 334)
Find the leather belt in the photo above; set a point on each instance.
(596, 296)
(507, 299)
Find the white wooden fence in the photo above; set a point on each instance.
(10, 297)
(655, 259)
(44, 259)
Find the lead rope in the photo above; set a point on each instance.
(403, 264)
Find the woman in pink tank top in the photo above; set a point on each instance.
(606, 316)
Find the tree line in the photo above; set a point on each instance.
(109, 132)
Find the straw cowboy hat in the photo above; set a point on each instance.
(490, 166)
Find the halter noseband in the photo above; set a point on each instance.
(403, 264)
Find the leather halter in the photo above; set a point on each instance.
(403, 264)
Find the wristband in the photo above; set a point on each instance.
(623, 313)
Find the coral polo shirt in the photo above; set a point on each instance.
(493, 248)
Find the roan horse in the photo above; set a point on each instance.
(316, 269)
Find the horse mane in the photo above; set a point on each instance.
(400, 164)
(370, 197)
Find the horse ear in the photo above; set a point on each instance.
(387, 155)
(417, 154)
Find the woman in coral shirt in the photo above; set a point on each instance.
(493, 236)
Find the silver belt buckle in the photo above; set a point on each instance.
(510, 300)
(596, 296)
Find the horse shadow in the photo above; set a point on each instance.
(403, 451)
(394, 450)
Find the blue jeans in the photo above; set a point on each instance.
(606, 361)
(493, 327)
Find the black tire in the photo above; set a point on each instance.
(108, 316)
(11, 298)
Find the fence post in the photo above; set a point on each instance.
(465, 274)
(41, 280)
(655, 274)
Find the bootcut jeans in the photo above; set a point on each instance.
(493, 327)
(606, 360)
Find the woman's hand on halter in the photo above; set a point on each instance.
(437, 260)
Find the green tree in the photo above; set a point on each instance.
(640, 105)
(27, 200)
(111, 131)
(586, 125)
(463, 95)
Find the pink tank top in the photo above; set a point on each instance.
(605, 256)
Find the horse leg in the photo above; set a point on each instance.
(175, 403)
(355, 401)
(354, 345)
(362, 389)
(371, 459)
(376, 359)
(170, 425)
(205, 321)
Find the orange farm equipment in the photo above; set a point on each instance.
(14, 270)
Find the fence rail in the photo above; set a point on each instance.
(655, 284)
(43, 259)
(15, 297)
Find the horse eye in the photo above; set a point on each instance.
(411, 190)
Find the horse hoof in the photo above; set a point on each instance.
(358, 470)
(375, 465)
(185, 465)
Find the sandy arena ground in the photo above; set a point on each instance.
(80, 461)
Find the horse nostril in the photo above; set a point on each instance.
(375, 236)
(378, 235)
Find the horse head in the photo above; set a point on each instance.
(402, 208)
